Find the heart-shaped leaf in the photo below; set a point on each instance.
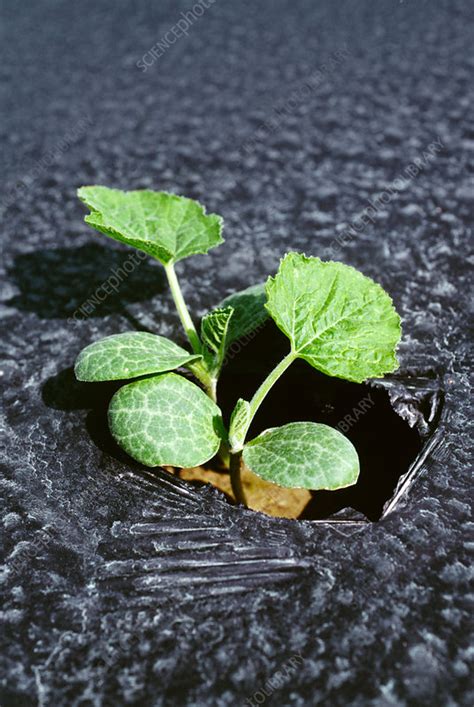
(166, 226)
(166, 420)
(130, 355)
(338, 320)
(303, 455)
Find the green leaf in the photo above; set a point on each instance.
(166, 226)
(249, 312)
(236, 317)
(338, 320)
(239, 423)
(214, 328)
(303, 455)
(166, 420)
(129, 355)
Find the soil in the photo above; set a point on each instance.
(261, 495)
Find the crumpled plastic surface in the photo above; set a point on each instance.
(125, 586)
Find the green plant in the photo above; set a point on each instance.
(339, 321)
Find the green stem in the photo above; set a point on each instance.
(183, 312)
(264, 388)
(198, 368)
(260, 393)
(235, 478)
(224, 454)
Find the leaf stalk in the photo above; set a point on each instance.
(267, 384)
(183, 311)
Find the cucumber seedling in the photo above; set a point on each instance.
(336, 319)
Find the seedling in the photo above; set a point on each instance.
(336, 319)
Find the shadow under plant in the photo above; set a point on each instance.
(88, 281)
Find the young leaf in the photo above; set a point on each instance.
(239, 422)
(338, 320)
(166, 226)
(236, 316)
(249, 312)
(166, 420)
(214, 328)
(303, 455)
(129, 355)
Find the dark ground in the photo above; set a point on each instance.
(119, 586)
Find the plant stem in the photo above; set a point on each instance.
(269, 381)
(203, 376)
(198, 367)
(224, 454)
(235, 479)
(183, 312)
(236, 454)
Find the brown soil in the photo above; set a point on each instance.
(261, 495)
